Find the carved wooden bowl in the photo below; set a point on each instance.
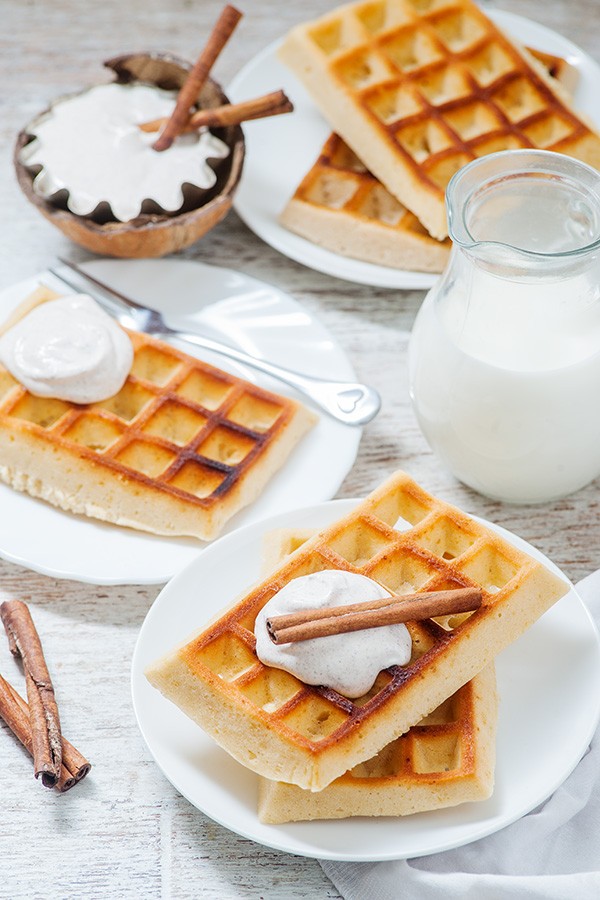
(150, 234)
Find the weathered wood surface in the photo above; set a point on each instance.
(125, 832)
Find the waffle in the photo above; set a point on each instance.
(339, 205)
(406, 540)
(342, 207)
(179, 450)
(418, 88)
(447, 759)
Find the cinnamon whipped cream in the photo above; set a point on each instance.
(90, 146)
(69, 349)
(349, 663)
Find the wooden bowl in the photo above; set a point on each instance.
(149, 234)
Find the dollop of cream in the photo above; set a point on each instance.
(70, 349)
(349, 662)
(90, 145)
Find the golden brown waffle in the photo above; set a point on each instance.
(289, 731)
(418, 88)
(180, 449)
(447, 759)
(342, 207)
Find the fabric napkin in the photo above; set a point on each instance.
(553, 853)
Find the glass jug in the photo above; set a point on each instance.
(504, 356)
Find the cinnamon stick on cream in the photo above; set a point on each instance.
(274, 104)
(312, 623)
(188, 95)
(24, 641)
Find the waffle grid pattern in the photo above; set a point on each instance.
(440, 748)
(445, 760)
(406, 540)
(442, 83)
(339, 181)
(440, 86)
(178, 424)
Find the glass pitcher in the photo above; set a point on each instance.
(505, 352)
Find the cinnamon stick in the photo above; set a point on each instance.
(24, 641)
(274, 104)
(15, 712)
(193, 84)
(312, 623)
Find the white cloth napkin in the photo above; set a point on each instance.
(551, 854)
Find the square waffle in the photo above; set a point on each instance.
(342, 207)
(339, 205)
(447, 759)
(418, 88)
(180, 449)
(406, 540)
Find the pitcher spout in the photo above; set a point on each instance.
(526, 213)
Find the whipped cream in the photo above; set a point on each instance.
(69, 349)
(90, 145)
(349, 662)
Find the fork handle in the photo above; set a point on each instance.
(349, 402)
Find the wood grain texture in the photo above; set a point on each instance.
(125, 832)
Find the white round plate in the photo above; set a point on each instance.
(549, 685)
(280, 151)
(226, 305)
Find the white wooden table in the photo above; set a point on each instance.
(126, 832)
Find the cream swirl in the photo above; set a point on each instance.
(70, 349)
(91, 146)
(349, 662)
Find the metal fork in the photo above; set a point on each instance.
(349, 402)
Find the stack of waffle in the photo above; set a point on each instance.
(423, 736)
(177, 451)
(414, 90)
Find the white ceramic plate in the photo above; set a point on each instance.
(227, 305)
(549, 684)
(280, 151)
